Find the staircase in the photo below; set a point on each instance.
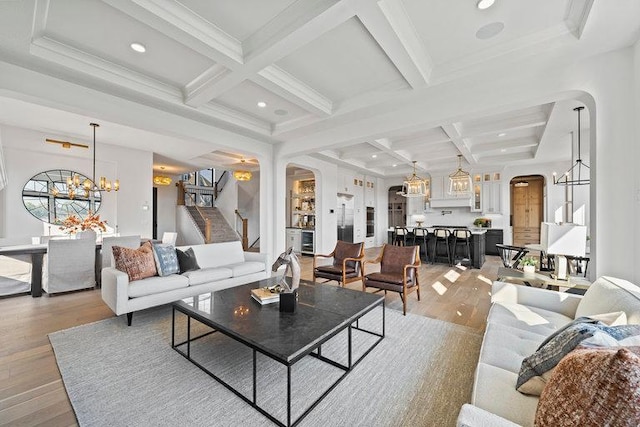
(221, 231)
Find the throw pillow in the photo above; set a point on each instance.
(187, 260)
(537, 368)
(137, 263)
(593, 387)
(166, 259)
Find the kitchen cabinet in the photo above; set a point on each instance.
(491, 193)
(294, 239)
(527, 212)
(440, 197)
(347, 183)
(493, 238)
(369, 192)
(476, 196)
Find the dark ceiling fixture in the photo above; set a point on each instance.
(579, 173)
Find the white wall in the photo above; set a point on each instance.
(166, 209)
(249, 205)
(636, 152)
(227, 201)
(27, 154)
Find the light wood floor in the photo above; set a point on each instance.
(31, 389)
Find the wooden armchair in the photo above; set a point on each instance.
(347, 264)
(398, 272)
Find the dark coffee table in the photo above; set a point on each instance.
(323, 311)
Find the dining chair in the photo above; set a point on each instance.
(462, 246)
(69, 265)
(398, 272)
(511, 255)
(15, 274)
(440, 239)
(347, 263)
(421, 237)
(400, 236)
(169, 238)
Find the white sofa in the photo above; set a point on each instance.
(519, 320)
(222, 265)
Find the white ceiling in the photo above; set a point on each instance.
(316, 64)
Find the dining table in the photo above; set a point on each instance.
(37, 252)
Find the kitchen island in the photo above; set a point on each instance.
(478, 242)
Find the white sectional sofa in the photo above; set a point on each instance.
(519, 320)
(222, 265)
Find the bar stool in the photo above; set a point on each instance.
(420, 235)
(400, 236)
(441, 237)
(462, 246)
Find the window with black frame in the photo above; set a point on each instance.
(205, 178)
(47, 197)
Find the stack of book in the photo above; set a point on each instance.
(264, 296)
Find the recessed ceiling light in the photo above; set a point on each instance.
(485, 4)
(138, 47)
(504, 150)
(262, 104)
(502, 134)
(373, 156)
(394, 165)
(490, 30)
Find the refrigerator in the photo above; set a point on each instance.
(345, 217)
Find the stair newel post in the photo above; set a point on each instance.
(245, 234)
(207, 230)
(180, 185)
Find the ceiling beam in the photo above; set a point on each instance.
(174, 20)
(292, 30)
(388, 23)
(453, 130)
(480, 149)
(522, 121)
(280, 82)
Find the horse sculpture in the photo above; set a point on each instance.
(289, 259)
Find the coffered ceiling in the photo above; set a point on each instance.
(313, 64)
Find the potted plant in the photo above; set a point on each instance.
(529, 264)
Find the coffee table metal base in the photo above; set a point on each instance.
(318, 355)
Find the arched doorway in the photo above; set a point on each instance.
(301, 210)
(397, 207)
(527, 203)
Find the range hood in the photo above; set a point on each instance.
(452, 202)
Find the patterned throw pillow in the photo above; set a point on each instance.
(166, 259)
(187, 260)
(137, 263)
(537, 368)
(593, 387)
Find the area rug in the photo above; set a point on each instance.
(419, 375)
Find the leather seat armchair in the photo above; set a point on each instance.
(398, 272)
(347, 264)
